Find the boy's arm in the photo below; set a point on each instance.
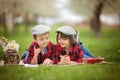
(35, 57)
(34, 60)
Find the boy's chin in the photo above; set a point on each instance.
(44, 46)
(63, 46)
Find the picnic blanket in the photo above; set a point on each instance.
(36, 65)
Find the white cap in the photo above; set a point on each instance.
(40, 29)
(67, 30)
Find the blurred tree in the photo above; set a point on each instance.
(95, 19)
(28, 9)
(94, 8)
(9, 7)
(3, 23)
(40, 7)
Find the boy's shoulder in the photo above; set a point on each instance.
(50, 46)
(77, 47)
(51, 43)
(34, 44)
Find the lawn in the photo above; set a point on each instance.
(106, 46)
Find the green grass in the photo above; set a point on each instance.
(106, 46)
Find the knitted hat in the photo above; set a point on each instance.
(66, 30)
(40, 29)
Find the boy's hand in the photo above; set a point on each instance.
(36, 50)
(64, 59)
(47, 62)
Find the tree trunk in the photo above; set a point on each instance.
(3, 22)
(95, 20)
(119, 21)
(26, 22)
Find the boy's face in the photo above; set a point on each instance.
(64, 42)
(43, 40)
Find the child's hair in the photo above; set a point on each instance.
(73, 42)
(34, 36)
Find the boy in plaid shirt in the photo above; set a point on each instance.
(41, 49)
(67, 51)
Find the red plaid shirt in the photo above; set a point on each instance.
(41, 57)
(75, 53)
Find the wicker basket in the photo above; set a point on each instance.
(11, 57)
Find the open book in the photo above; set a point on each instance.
(31, 65)
(28, 65)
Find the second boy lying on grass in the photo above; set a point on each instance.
(67, 50)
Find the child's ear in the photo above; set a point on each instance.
(35, 40)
